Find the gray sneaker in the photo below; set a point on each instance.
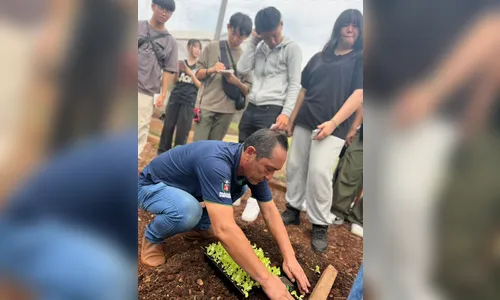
(319, 240)
(291, 216)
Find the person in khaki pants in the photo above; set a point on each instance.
(157, 62)
(216, 108)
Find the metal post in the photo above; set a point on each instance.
(220, 19)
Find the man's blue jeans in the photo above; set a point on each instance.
(357, 287)
(176, 211)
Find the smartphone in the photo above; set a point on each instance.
(227, 71)
(315, 133)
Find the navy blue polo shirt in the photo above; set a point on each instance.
(205, 169)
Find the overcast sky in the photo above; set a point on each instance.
(307, 22)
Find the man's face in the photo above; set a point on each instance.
(195, 50)
(349, 34)
(160, 14)
(273, 38)
(234, 37)
(258, 170)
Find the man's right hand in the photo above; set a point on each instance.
(216, 68)
(275, 289)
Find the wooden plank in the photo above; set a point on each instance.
(325, 283)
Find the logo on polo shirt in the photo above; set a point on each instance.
(225, 188)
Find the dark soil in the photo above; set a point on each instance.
(186, 267)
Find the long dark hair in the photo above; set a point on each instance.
(349, 16)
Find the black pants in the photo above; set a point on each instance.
(178, 117)
(257, 117)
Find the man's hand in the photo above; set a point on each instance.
(275, 289)
(281, 122)
(232, 79)
(160, 100)
(350, 136)
(215, 69)
(326, 129)
(295, 272)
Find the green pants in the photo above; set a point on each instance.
(468, 263)
(212, 126)
(348, 183)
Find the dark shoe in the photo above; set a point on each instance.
(319, 238)
(291, 216)
(196, 235)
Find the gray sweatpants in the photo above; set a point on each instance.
(309, 174)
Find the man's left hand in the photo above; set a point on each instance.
(295, 273)
(281, 122)
(232, 79)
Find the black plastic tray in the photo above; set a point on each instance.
(238, 290)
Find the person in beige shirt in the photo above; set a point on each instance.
(216, 108)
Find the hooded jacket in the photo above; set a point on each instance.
(276, 73)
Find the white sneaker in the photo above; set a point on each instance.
(338, 220)
(251, 211)
(237, 202)
(357, 230)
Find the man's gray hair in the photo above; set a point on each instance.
(264, 141)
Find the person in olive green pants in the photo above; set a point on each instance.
(348, 184)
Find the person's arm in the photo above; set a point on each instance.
(291, 267)
(235, 242)
(294, 63)
(298, 104)
(242, 86)
(246, 63)
(467, 58)
(170, 67)
(349, 107)
(192, 74)
(358, 120)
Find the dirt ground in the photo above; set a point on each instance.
(186, 268)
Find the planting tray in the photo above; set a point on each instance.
(238, 290)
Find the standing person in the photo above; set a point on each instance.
(332, 90)
(216, 108)
(276, 62)
(157, 62)
(179, 113)
(348, 184)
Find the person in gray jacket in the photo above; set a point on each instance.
(276, 62)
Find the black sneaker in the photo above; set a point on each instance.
(291, 216)
(319, 240)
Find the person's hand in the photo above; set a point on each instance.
(326, 129)
(350, 136)
(281, 122)
(160, 100)
(188, 71)
(289, 129)
(295, 273)
(275, 289)
(232, 79)
(217, 68)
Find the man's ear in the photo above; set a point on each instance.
(251, 151)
